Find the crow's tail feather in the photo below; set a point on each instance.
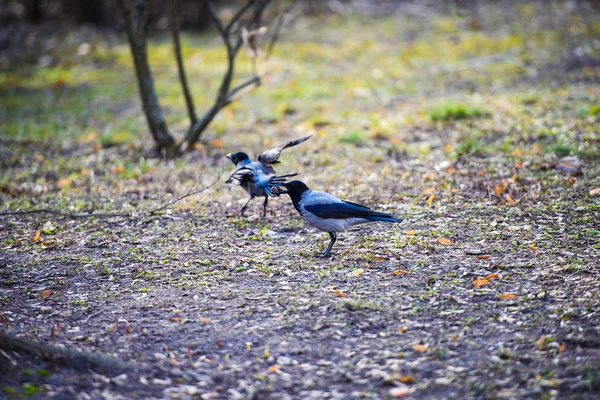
(382, 218)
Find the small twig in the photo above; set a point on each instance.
(189, 193)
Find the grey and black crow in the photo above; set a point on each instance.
(257, 177)
(328, 213)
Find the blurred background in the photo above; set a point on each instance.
(378, 81)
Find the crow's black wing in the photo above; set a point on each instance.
(272, 155)
(241, 175)
(341, 210)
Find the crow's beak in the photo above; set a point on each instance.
(228, 156)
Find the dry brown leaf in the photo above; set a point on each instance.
(562, 348)
(421, 348)
(429, 176)
(400, 272)
(216, 143)
(36, 237)
(38, 157)
(595, 192)
(480, 282)
(515, 177)
(273, 368)
(541, 342)
(408, 232)
(517, 152)
(204, 320)
(483, 256)
(519, 165)
(492, 276)
(430, 199)
(455, 338)
(407, 379)
(499, 188)
(356, 272)
(339, 293)
(401, 329)
(533, 248)
(63, 182)
(174, 319)
(429, 190)
(443, 240)
(510, 200)
(507, 296)
(117, 169)
(46, 293)
(450, 170)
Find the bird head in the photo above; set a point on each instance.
(294, 189)
(236, 158)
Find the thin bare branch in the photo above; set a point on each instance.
(278, 27)
(255, 80)
(238, 15)
(214, 16)
(174, 25)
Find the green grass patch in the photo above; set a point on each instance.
(454, 112)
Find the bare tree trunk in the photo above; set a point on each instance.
(135, 21)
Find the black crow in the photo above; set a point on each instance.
(328, 213)
(256, 177)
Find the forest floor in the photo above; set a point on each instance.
(481, 134)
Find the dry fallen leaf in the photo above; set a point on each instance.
(449, 170)
(443, 240)
(430, 199)
(499, 188)
(562, 348)
(63, 182)
(356, 272)
(407, 379)
(507, 296)
(483, 256)
(429, 176)
(492, 276)
(533, 248)
(519, 165)
(407, 232)
(216, 143)
(400, 272)
(429, 190)
(117, 169)
(273, 368)
(46, 293)
(339, 293)
(401, 329)
(204, 320)
(595, 192)
(421, 348)
(510, 200)
(480, 282)
(541, 342)
(36, 237)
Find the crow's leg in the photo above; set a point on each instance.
(265, 206)
(243, 209)
(333, 237)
